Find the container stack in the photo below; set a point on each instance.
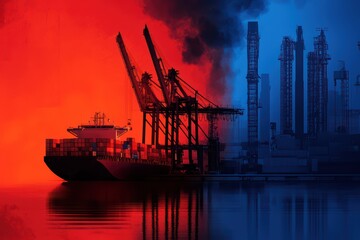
(104, 147)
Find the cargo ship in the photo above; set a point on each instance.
(98, 152)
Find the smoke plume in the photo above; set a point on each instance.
(206, 28)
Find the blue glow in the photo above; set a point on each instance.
(341, 19)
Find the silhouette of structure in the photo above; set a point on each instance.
(173, 119)
(286, 61)
(299, 83)
(252, 93)
(318, 86)
(342, 76)
(265, 109)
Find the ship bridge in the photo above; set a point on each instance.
(99, 129)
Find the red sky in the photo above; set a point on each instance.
(60, 63)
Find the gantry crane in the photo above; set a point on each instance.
(176, 116)
(178, 103)
(148, 102)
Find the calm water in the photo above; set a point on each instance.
(212, 210)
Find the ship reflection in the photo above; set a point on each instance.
(155, 210)
(216, 210)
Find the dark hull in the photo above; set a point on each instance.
(93, 168)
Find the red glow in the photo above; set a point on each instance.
(59, 63)
(103, 210)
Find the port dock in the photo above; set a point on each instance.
(259, 177)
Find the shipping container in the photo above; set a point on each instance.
(103, 147)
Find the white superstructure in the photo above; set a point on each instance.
(99, 129)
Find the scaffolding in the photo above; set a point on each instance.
(318, 86)
(286, 71)
(342, 75)
(252, 101)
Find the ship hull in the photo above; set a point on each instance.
(95, 168)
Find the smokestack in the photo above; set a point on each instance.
(252, 83)
(299, 83)
(286, 71)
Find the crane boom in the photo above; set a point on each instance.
(149, 96)
(158, 69)
(175, 84)
(130, 70)
(144, 94)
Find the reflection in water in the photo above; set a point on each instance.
(169, 211)
(212, 210)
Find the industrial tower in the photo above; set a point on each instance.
(318, 86)
(299, 83)
(286, 61)
(265, 109)
(252, 93)
(342, 75)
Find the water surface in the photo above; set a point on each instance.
(191, 210)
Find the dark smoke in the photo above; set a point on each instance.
(194, 49)
(206, 28)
